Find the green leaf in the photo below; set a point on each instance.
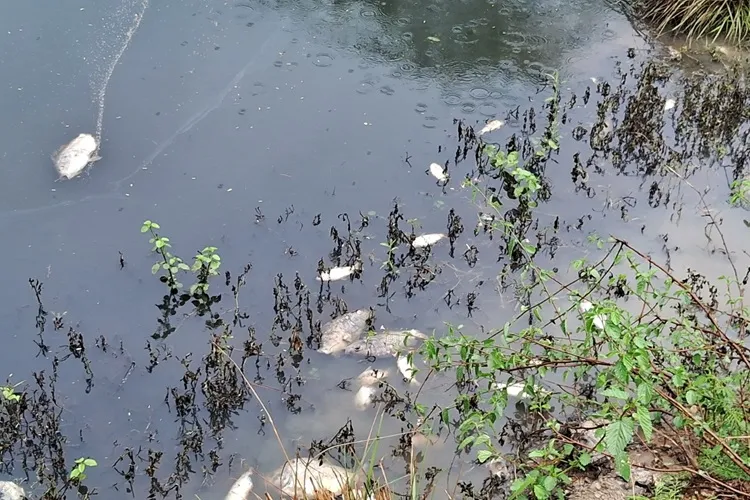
(645, 393)
(483, 456)
(618, 435)
(622, 465)
(540, 492)
(466, 442)
(691, 397)
(644, 420)
(550, 483)
(584, 459)
(155, 268)
(90, 462)
(616, 393)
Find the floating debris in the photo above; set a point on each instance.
(491, 126)
(342, 331)
(386, 343)
(369, 381)
(72, 158)
(669, 104)
(304, 477)
(338, 273)
(438, 172)
(11, 491)
(427, 240)
(241, 488)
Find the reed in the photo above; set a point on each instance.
(715, 19)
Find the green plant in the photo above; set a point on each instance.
(739, 193)
(699, 18)
(78, 473)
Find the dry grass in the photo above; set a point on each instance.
(728, 19)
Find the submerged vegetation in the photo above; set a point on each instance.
(715, 19)
(617, 370)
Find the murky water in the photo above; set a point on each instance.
(219, 112)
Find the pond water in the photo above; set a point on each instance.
(218, 112)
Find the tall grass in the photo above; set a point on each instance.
(728, 19)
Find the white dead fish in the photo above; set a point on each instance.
(386, 343)
(438, 172)
(669, 104)
(491, 126)
(516, 390)
(425, 240)
(369, 380)
(599, 320)
(11, 491)
(72, 158)
(407, 368)
(338, 273)
(302, 477)
(241, 488)
(343, 330)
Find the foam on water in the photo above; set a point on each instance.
(100, 80)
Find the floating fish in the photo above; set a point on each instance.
(407, 368)
(516, 390)
(369, 380)
(241, 488)
(599, 320)
(342, 331)
(669, 104)
(72, 158)
(438, 172)
(11, 491)
(386, 343)
(427, 240)
(491, 126)
(303, 477)
(338, 273)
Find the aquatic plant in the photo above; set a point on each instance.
(699, 18)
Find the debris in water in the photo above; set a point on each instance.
(241, 488)
(491, 126)
(72, 158)
(338, 273)
(342, 331)
(433, 39)
(387, 343)
(438, 172)
(669, 104)
(303, 477)
(11, 491)
(427, 240)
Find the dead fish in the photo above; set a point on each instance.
(407, 368)
(304, 477)
(342, 331)
(11, 491)
(599, 320)
(516, 390)
(241, 488)
(438, 172)
(369, 381)
(386, 343)
(72, 158)
(338, 273)
(491, 126)
(427, 239)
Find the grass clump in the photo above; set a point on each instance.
(729, 19)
